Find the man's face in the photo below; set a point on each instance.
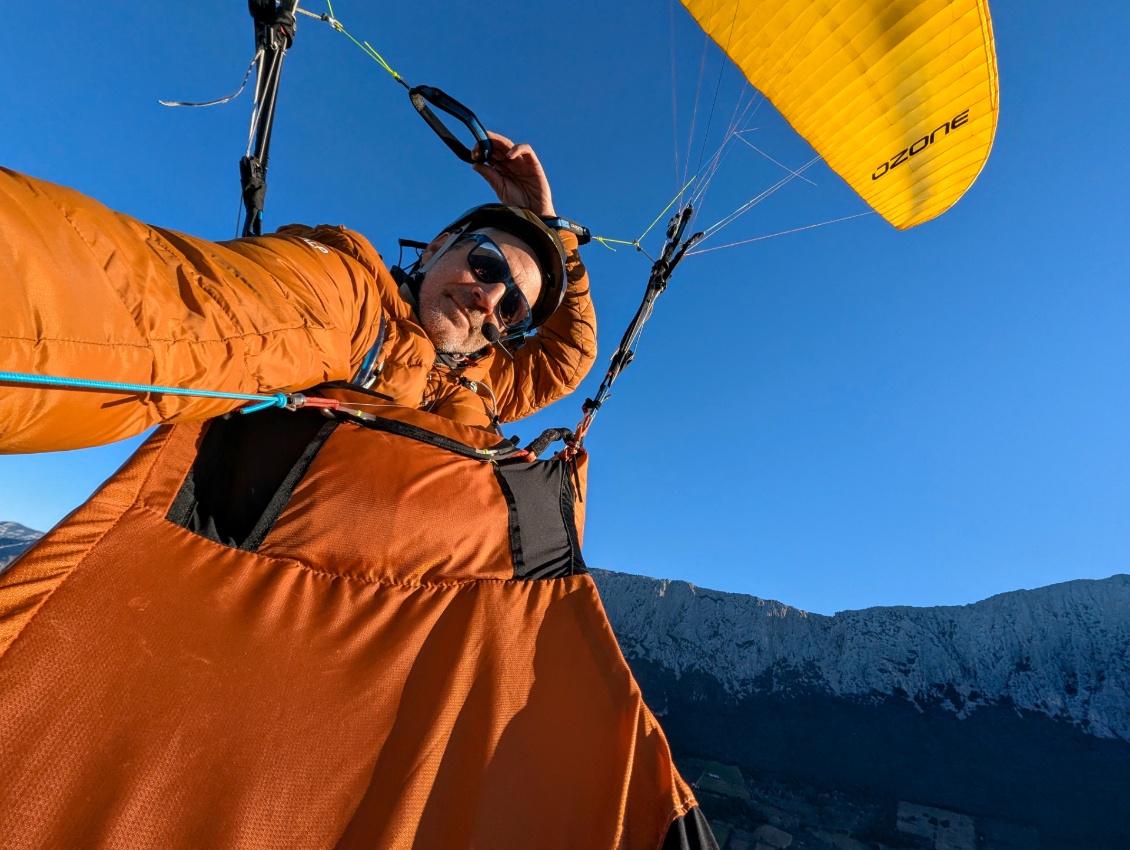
(454, 304)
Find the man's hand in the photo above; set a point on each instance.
(517, 177)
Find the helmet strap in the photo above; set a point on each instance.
(409, 287)
(412, 278)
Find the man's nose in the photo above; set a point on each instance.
(485, 296)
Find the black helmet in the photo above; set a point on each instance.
(542, 240)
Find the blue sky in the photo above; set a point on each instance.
(844, 417)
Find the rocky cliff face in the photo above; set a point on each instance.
(1062, 651)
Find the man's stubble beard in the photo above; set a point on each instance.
(445, 336)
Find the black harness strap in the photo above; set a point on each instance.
(503, 450)
(674, 249)
(274, 34)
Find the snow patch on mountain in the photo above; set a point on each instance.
(1062, 650)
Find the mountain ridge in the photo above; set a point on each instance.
(1061, 650)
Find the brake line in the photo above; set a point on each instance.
(256, 401)
(366, 48)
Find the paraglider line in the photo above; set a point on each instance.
(239, 216)
(694, 114)
(764, 154)
(781, 233)
(707, 177)
(717, 88)
(736, 120)
(608, 242)
(366, 48)
(665, 209)
(746, 207)
(635, 243)
(746, 117)
(710, 117)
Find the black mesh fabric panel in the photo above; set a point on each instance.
(246, 472)
(543, 531)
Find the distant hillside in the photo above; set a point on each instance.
(14, 538)
(1014, 709)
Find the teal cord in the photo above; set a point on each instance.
(264, 401)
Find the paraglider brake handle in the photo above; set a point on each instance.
(422, 96)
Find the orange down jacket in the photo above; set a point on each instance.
(90, 293)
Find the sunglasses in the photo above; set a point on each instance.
(488, 265)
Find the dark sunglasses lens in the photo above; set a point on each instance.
(488, 264)
(514, 310)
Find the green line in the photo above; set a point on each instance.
(660, 216)
(605, 241)
(366, 48)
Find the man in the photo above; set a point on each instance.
(373, 630)
(107, 297)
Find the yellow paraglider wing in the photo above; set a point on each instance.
(898, 96)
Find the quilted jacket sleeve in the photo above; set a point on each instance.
(89, 293)
(558, 357)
